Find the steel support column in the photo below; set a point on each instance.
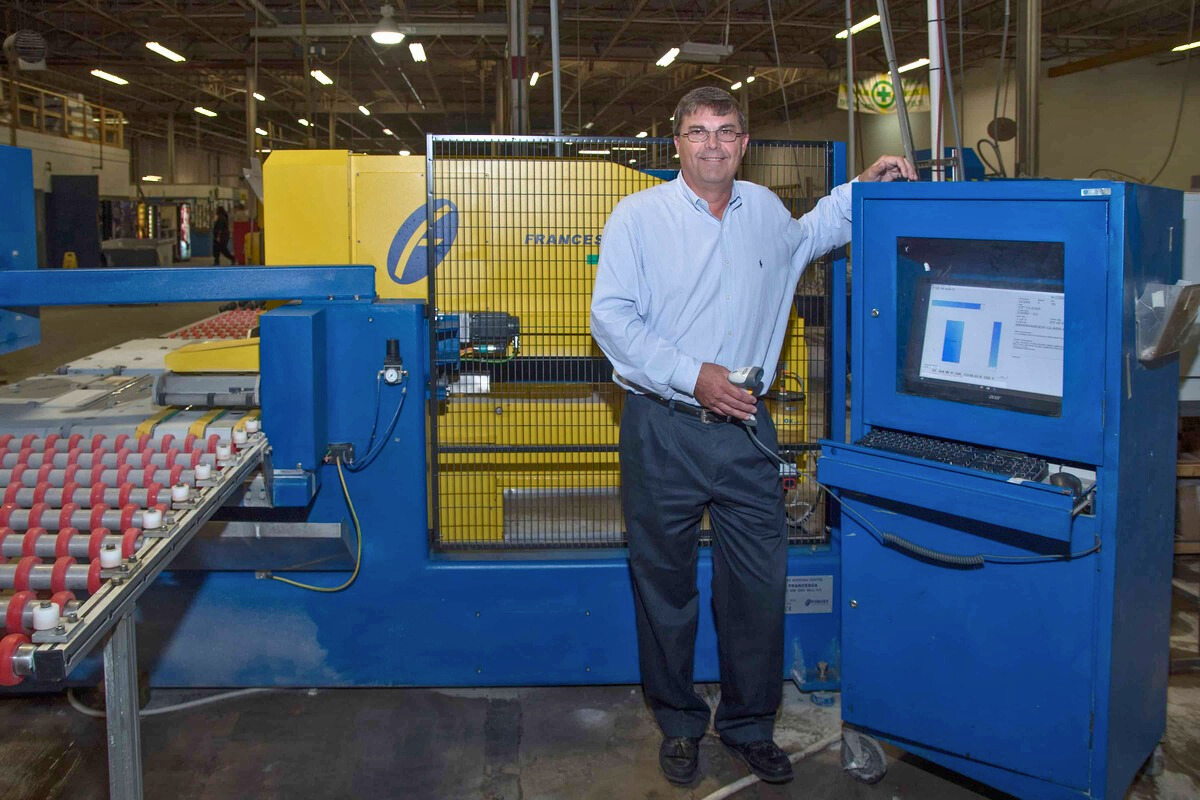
(121, 704)
(1029, 73)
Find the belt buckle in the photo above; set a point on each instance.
(711, 417)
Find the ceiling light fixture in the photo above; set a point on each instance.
(321, 77)
(206, 112)
(261, 132)
(108, 76)
(152, 178)
(388, 132)
(668, 57)
(736, 86)
(704, 53)
(406, 152)
(862, 26)
(641, 135)
(304, 122)
(588, 126)
(386, 31)
(418, 51)
(749, 79)
(533, 79)
(366, 112)
(593, 152)
(920, 62)
(1183, 47)
(165, 52)
(259, 97)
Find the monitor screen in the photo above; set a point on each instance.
(986, 323)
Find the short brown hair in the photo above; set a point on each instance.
(716, 100)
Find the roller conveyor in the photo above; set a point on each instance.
(69, 542)
(107, 458)
(60, 547)
(25, 477)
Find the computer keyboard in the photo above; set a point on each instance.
(1000, 462)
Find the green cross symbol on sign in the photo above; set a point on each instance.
(883, 94)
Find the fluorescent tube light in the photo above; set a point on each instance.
(388, 132)
(406, 152)
(862, 26)
(366, 112)
(641, 135)
(1183, 47)
(108, 76)
(920, 62)
(668, 57)
(165, 52)
(152, 178)
(593, 152)
(261, 132)
(304, 122)
(736, 86)
(206, 112)
(321, 77)
(259, 97)
(418, 51)
(533, 79)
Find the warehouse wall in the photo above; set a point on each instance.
(192, 164)
(1119, 117)
(54, 155)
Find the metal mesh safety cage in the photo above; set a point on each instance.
(524, 416)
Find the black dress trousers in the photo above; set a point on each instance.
(673, 467)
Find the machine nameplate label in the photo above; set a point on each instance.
(809, 594)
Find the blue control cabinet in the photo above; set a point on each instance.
(1001, 316)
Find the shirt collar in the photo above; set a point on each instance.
(698, 202)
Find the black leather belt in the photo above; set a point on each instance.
(702, 414)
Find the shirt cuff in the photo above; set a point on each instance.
(683, 378)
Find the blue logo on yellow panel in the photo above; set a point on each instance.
(407, 258)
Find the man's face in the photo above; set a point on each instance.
(710, 164)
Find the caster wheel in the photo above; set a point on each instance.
(1156, 763)
(863, 758)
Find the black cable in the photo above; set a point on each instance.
(373, 452)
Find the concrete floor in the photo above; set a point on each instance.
(483, 744)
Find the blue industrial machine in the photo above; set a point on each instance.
(1007, 498)
(412, 615)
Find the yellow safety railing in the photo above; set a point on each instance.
(58, 114)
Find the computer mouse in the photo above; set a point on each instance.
(1065, 480)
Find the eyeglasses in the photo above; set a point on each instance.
(700, 135)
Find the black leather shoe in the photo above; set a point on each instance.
(679, 758)
(764, 759)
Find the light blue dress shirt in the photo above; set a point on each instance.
(677, 287)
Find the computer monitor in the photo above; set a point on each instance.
(986, 322)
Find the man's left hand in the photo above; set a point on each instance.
(890, 168)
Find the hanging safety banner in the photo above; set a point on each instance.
(876, 95)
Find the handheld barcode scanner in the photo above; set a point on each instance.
(747, 378)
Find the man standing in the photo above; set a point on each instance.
(696, 277)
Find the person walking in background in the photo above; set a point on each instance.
(220, 237)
